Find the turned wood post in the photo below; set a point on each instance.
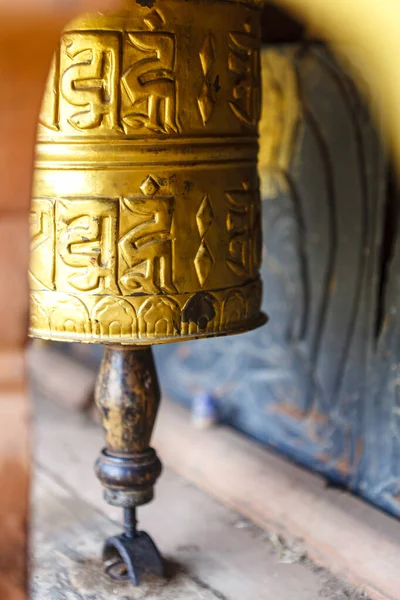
(128, 397)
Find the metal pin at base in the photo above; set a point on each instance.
(132, 554)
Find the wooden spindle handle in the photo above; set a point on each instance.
(128, 397)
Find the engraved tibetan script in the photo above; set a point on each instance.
(148, 82)
(146, 245)
(86, 232)
(41, 267)
(50, 105)
(244, 231)
(89, 80)
(244, 62)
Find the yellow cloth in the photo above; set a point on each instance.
(367, 32)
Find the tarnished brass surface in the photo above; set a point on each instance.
(146, 210)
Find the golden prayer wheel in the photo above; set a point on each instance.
(146, 210)
(146, 213)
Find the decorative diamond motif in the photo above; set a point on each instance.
(207, 55)
(203, 262)
(205, 101)
(149, 186)
(205, 216)
(206, 98)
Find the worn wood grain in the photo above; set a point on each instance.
(213, 552)
(339, 530)
(68, 534)
(60, 378)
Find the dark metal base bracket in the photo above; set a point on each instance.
(131, 558)
(132, 554)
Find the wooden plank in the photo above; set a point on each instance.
(215, 554)
(338, 530)
(68, 534)
(59, 377)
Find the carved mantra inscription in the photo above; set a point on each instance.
(244, 62)
(126, 82)
(146, 245)
(42, 227)
(112, 81)
(142, 228)
(89, 68)
(244, 231)
(94, 234)
(130, 245)
(86, 237)
(148, 83)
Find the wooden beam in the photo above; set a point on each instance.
(338, 530)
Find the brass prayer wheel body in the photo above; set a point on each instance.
(146, 210)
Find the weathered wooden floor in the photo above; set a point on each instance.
(213, 552)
